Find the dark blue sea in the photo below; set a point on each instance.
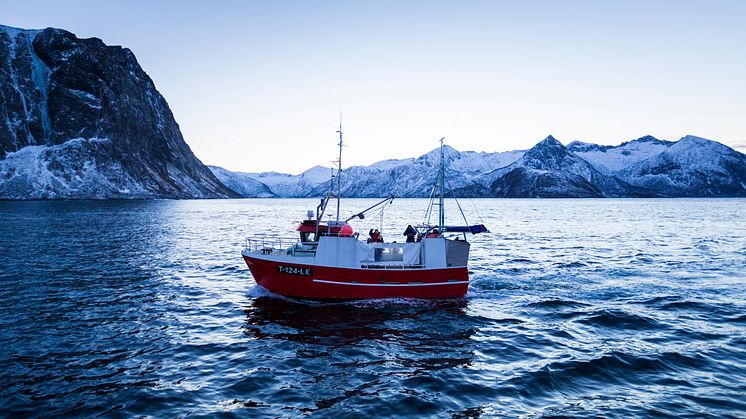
(578, 308)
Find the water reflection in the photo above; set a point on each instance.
(354, 352)
(349, 323)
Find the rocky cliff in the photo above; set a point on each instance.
(80, 119)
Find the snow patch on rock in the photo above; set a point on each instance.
(67, 170)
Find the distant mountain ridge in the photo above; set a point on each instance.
(644, 167)
(613, 158)
(81, 120)
(692, 166)
(550, 170)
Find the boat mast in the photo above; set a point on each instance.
(441, 180)
(339, 168)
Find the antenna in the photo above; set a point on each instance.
(441, 180)
(339, 168)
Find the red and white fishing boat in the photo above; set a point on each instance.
(328, 261)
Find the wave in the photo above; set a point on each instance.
(689, 305)
(616, 367)
(557, 304)
(619, 319)
(570, 265)
(736, 319)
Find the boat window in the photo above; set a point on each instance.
(389, 254)
(307, 237)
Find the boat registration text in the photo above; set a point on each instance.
(293, 270)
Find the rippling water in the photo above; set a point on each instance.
(577, 308)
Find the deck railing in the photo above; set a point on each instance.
(270, 244)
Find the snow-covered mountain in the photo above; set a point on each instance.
(80, 119)
(405, 178)
(243, 183)
(415, 177)
(692, 166)
(639, 168)
(611, 159)
(285, 185)
(549, 170)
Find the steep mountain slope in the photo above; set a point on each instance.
(610, 159)
(692, 166)
(549, 170)
(79, 119)
(242, 183)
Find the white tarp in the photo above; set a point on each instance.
(348, 252)
(337, 251)
(435, 252)
(365, 252)
(412, 253)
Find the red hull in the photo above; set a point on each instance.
(323, 282)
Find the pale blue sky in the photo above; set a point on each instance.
(259, 86)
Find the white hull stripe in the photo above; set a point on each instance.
(390, 285)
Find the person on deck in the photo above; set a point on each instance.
(375, 236)
(410, 232)
(433, 233)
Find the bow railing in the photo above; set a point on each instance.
(272, 244)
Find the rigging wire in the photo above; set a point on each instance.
(428, 212)
(371, 224)
(429, 209)
(476, 210)
(457, 203)
(380, 228)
